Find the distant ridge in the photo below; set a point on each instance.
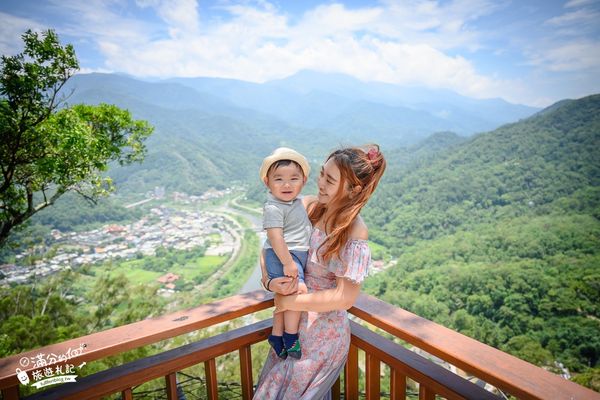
(210, 131)
(326, 100)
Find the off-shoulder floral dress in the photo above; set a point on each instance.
(324, 337)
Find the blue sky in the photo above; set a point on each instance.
(528, 52)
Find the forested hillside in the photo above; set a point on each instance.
(499, 237)
(200, 141)
(210, 131)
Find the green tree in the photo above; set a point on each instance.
(47, 149)
(38, 315)
(590, 378)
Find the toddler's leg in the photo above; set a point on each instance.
(275, 269)
(291, 340)
(300, 258)
(276, 337)
(278, 323)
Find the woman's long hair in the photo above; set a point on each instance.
(359, 166)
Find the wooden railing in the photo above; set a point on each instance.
(499, 369)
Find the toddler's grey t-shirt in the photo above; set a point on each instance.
(292, 217)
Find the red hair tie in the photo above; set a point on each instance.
(373, 155)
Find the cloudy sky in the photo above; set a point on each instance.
(531, 52)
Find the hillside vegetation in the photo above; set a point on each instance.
(499, 237)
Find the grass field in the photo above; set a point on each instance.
(134, 272)
(204, 267)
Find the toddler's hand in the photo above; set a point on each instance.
(290, 270)
(302, 288)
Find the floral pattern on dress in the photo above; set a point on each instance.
(324, 337)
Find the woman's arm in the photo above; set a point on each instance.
(342, 297)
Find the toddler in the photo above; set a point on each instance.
(288, 233)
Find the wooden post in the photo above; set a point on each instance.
(373, 377)
(11, 393)
(171, 380)
(425, 393)
(127, 394)
(210, 371)
(336, 393)
(351, 374)
(246, 373)
(397, 385)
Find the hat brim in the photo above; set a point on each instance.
(284, 155)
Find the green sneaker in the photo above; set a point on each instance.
(295, 351)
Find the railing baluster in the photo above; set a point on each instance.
(171, 380)
(210, 371)
(11, 393)
(336, 393)
(351, 374)
(397, 385)
(425, 393)
(127, 394)
(246, 372)
(373, 384)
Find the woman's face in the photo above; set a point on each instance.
(329, 181)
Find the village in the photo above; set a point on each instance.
(164, 227)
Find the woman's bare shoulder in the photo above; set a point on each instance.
(359, 229)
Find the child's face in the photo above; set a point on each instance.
(285, 182)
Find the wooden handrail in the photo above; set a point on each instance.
(136, 372)
(123, 377)
(508, 373)
(123, 338)
(416, 367)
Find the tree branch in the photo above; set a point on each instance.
(90, 199)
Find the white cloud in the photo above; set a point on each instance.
(578, 3)
(101, 20)
(407, 42)
(572, 45)
(181, 16)
(574, 56)
(397, 43)
(575, 18)
(12, 27)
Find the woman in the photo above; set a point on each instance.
(338, 261)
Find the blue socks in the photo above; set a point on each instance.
(286, 345)
(292, 344)
(276, 343)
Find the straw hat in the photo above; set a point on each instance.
(284, 153)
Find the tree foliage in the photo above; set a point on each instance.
(48, 149)
(499, 238)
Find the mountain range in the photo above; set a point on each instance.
(211, 130)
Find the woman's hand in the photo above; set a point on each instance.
(284, 285)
